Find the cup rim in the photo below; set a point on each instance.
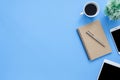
(93, 2)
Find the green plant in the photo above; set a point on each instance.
(112, 9)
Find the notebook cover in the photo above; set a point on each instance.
(93, 48)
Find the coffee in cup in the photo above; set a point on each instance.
(91, 9)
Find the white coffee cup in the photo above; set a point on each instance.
(91, 9)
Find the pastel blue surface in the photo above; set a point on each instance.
(39, 41)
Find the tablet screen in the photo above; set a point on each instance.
(116, 37)
(109, 72)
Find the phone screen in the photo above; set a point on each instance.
(116, 37)
(109, 72)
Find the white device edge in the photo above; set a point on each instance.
(114, 29)
(108, 62)
(111, 30)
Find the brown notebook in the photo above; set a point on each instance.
(95, 43)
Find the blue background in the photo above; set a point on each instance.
(39, 41)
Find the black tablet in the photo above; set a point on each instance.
(115, 32)
(109, 71)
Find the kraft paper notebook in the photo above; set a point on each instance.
(93, 47)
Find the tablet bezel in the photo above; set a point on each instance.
(111, 30)
(108, 62)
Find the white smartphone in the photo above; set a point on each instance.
(115, 32)
(109, 71)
